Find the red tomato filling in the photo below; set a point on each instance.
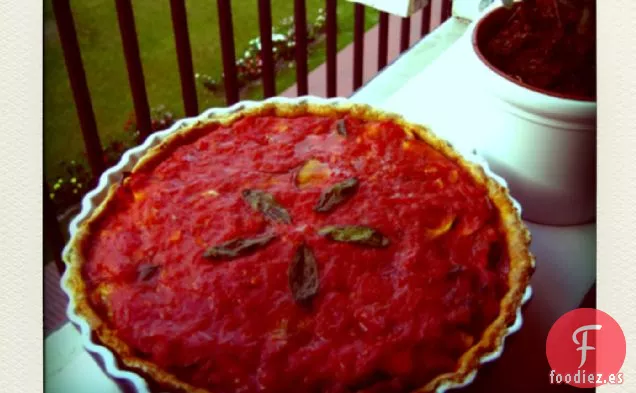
(383, 320)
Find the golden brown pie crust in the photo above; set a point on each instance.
(518, 240)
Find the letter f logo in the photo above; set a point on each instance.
(584, 347)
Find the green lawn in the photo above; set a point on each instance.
(98, 33)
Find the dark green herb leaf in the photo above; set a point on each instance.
(341, 127)
(146, 271)
(237, 247)
(508, 3)
(303, 275)
(355, 234)
(336, 194)
(266, 204)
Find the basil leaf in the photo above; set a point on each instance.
(146, 271)
(237, 247)
(355, 234)
(303, 275)
(341, 127)
(266, 204)
(336, 194)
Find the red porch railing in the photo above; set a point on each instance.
(83, 104)
(184, 56)
(265, 25)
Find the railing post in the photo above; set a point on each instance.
(52, 234)
(184, 56)
(383, 40)
(227, 49)
(405, 33)
(332, 48)
(426, 19)
(358, 45)
(77, 78)
(447, 9)
(136, 79)
(265, 25)
(300, 31)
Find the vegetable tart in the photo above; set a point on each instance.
(301, 248)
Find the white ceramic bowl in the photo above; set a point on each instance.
(544, 145)
(107, 360)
